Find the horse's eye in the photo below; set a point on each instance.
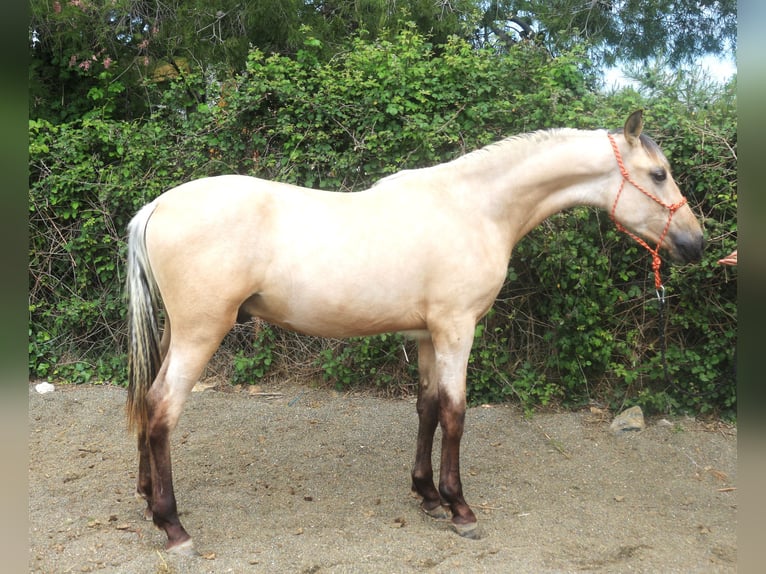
(659, 175)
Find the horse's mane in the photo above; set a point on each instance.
(516, 147)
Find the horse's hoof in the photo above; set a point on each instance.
(185, 548)
(148, 515)
(469, 530)
(439, 512)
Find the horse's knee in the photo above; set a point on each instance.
(452, 419)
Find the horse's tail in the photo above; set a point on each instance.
(144, 356)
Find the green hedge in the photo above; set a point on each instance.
(577, 320)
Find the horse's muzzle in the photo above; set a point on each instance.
(687, 247)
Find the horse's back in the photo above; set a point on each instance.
(237, 205)
(239, 194)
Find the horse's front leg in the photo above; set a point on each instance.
(452, 420)
(428, 419)
(452, 350)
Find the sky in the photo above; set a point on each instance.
(720, 69)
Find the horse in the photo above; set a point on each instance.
(423, 252)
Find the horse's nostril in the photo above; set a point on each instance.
(691, 249)
(686, 248)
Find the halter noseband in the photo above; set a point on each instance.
(672, 208)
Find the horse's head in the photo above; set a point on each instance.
(650, 204)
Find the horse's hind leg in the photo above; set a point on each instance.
(144, 480)
(183, 364)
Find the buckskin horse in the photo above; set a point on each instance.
(423, 251)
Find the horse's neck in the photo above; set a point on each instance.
(528, 179)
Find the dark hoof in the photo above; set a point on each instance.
(469, 530)
(185, 548)
(438, 512)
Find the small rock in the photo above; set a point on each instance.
(631, 419)
(44, 387)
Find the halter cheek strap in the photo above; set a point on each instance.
(672, 208)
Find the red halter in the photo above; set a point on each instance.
(656, 261)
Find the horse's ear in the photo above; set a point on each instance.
(633, 126)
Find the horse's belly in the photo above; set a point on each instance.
(335, 316)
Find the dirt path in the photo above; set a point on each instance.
(310, 481)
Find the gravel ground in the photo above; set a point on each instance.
(304, 480)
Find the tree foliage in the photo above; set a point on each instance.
(88, 55)
(628, 30)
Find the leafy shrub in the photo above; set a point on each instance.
(254, 357)
(388, 360)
